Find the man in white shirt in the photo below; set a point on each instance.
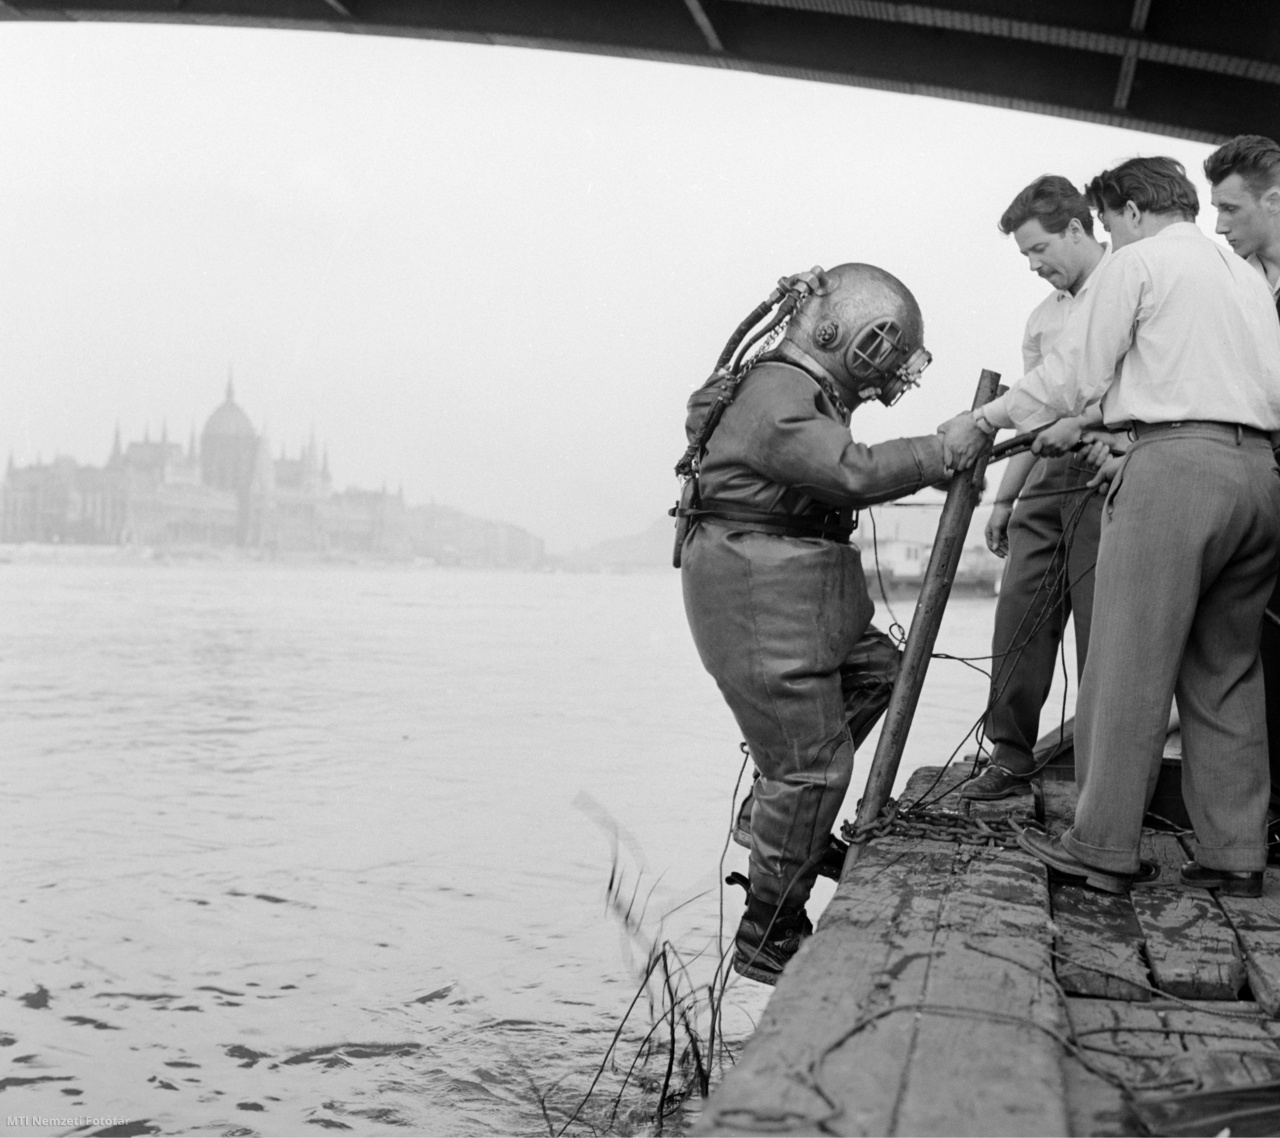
(1050, 533)
(1180, 341)
(1245, 175)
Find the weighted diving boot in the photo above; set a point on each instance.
(767, 938)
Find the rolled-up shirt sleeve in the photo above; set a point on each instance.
(794, 444)
(1083, 364)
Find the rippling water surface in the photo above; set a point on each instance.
(290, 849)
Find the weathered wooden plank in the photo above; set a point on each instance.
(1256, 921)
(1160, 1047)
(992, 1064)
(849, 1045)
(830, 1051)
(1191, 952)
(936, 785)
(1164, 1030)
(1191, 948)
(1098, 949)
(1094, 1105)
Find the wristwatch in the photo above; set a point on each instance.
(983, 424)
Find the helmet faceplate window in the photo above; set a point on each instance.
(878, 353)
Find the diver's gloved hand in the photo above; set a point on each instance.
(962, 441)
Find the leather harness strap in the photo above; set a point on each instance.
(826, 526)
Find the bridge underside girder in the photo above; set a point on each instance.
(1178, 67)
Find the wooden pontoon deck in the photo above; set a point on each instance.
(954, 989)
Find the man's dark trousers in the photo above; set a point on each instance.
(1053, 544)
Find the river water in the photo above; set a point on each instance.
(302, 848)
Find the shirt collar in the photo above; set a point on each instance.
(1065, 294)
(1179, 229)
(1252, 259)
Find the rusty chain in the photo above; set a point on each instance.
(938, 825)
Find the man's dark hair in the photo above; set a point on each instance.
(1154, 185)
(1253, 156)
(1052, 201)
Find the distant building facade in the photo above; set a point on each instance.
(227, 490)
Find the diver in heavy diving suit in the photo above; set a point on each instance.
(774, 593)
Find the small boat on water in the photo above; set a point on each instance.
(954, 986)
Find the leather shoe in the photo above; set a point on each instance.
(1232, 883)
(995, 782)
(1049, 850)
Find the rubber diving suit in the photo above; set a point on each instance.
(775, 594)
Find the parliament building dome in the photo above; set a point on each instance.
(229, 419)
(228, 447)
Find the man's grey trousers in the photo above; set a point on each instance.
(1186, 564)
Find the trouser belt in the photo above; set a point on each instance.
(825, 526)
(1241, 432)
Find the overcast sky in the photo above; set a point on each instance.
(489, 275)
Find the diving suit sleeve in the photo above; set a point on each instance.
(795, 444)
